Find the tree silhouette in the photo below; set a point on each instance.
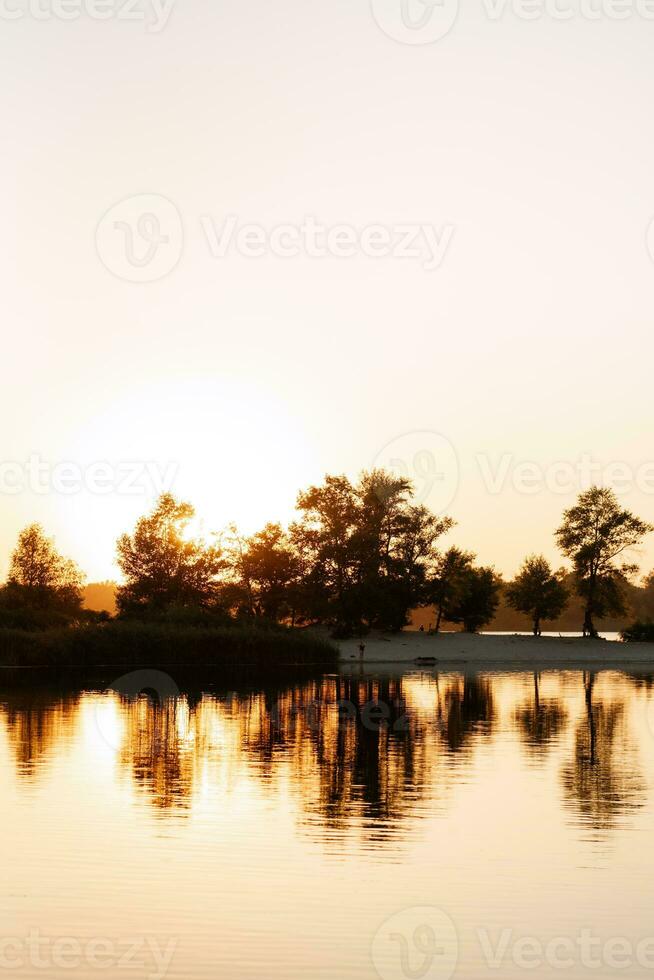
(447, 580)
(595, 533)
(40, 578)
(475, 599)
(265, 572)
(162, 566)
(537, 592)
(366, 549)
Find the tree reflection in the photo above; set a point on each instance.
(470, 710)
(361, 752)
(362, 758)
(540, 720)
(39, 725)
(602, 781)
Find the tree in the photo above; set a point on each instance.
(476, 599)
(447, 577)
(594, 534)
(537, 592)
(367, 551)
(323, 538)
(395, 546)
(162, 566)
(40, 578)
(265, 574)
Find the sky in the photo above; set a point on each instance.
(246, 245)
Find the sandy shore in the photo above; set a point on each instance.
(462, 648)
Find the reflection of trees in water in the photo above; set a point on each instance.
(641, 681)
(156, 752)
(540, 720)
(358, 752)
(602, 781)
(470, 710)
(38, 725)
(360, 755)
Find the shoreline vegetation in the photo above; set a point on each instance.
(142, 644)
(359, 561)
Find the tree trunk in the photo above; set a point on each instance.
(537, 630)
(589, 626)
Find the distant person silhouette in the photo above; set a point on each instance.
(362, 649)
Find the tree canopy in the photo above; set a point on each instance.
(537, 591)
(595, 535)
(41, 578)
(163, 566)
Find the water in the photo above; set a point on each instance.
(255, 832)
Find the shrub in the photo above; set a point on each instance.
(639, 632)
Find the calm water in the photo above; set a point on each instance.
(425, 825)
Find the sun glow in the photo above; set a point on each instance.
(231, 449)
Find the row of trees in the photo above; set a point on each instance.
(360, 556)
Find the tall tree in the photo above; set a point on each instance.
(447, 580)
(39, 577)
(265, 571)
(476, 599)
(367, 550)
(162, 566)
(537, 592)
(324, 539)
(595, 534)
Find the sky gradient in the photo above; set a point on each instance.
(251, 377)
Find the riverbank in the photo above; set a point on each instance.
(480, 650)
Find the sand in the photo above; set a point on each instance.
(525, 651)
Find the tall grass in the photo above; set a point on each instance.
(139, 644)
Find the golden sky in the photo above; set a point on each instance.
(525, 145)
